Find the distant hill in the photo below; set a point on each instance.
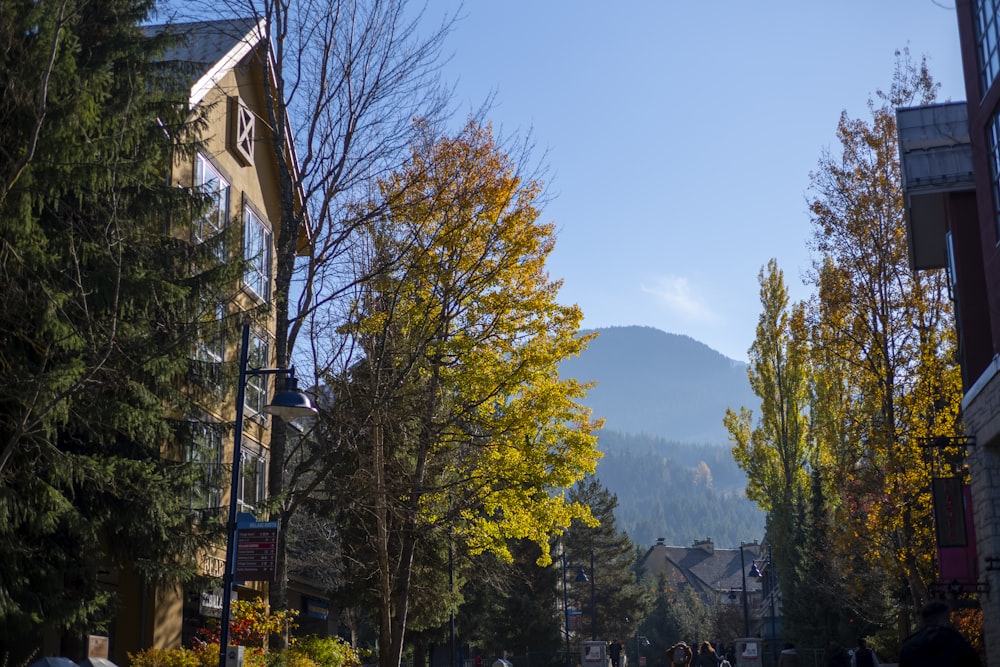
(666, 452)
(661, 384)
(677, 491)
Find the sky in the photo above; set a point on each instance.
(679, 136)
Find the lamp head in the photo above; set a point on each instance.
(290, 403)
(581, 575)
(754, 572)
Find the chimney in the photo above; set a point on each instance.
(705, 545)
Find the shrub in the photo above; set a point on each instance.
(165, 657)
(325, 652)
(290, 658)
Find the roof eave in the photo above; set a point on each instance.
(218, 70)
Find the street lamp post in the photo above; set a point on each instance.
(565, 606)
(746, 607)
(772, 580)
(593, 603)
(288, 404)
(581, 577)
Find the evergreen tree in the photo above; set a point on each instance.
(608, 557)
(514, 606)
(99, 309)
(810, 601)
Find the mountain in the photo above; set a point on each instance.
(656, 383)
(666, 452)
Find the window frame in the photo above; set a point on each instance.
(211, 181)
(255, 393)
(253, 478)
(206, 449)
(257, 253)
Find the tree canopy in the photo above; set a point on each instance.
(851, 383)
(453, 412)
(100, 309)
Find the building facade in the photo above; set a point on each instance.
(950, 157)
(977, 262)
(737, 579)
(236, 169)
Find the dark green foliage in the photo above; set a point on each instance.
(816, 604)
(618, 600)
(512, 606)
(98, 311)
(660, 626)
(678, 492)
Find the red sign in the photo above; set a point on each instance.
(256, 551)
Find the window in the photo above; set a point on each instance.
(257, 253)
(216, 187)
(253, 478)
(993, 147)
(205, 453)
(211, 347)
(987, 42)
(258, 356)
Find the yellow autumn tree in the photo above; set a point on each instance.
(773, 447)
(453, 424)
(883, 338)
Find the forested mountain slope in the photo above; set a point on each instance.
(677, 491)
(666, 452)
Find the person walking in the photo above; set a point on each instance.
(679, 655)
(615, 651)
(937, 642)
(864, 656)
(706, 656)
(835, 655)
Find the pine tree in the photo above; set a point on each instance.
(618, 598)
(99, 309)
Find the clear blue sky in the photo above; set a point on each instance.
(681, 134)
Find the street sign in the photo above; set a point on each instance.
(256, 551)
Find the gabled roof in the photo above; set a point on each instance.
(207, 51)
(703, 567)
(211, 48)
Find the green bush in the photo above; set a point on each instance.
(165, 657)
(322, 652)
(290, 658)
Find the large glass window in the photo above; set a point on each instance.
(988, 42)
(993, 140)
(212, 183)
(211, 347)
(256, 388)
(253, 478)
(205, 453)
(257, 253)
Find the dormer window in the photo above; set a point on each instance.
(241, 131)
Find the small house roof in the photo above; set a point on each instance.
(703, 566)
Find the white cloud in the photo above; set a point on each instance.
(682, 300)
